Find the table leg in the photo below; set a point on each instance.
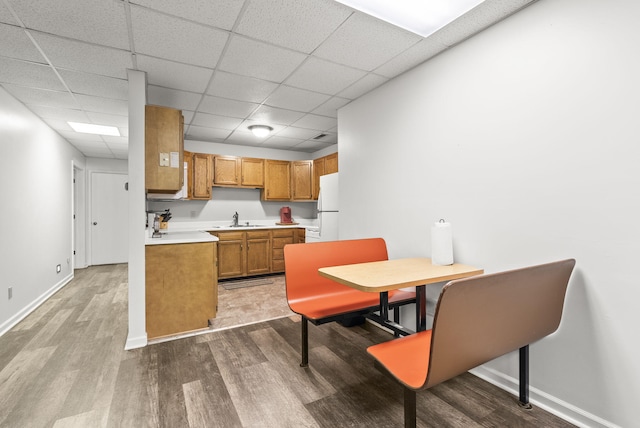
(421, 308)
(384, 305)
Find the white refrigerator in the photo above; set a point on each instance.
(328, 208)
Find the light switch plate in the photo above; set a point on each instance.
(164, 159)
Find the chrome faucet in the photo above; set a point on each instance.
(235, 219)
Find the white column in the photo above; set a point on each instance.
(137, 337)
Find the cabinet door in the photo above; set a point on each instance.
(258, 253)
(331, 163)
(188, 158)
(252, 172)
(302, 181)
(164, 145)
(277, 180)
(318, 170)
(201, 176)
(231, 254)
(226, 170)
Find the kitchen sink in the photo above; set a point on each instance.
(248, 225)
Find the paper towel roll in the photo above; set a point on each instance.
(441, 243)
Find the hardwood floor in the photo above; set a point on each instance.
(64, 366)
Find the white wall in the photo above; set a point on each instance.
(36, 226)
(525, 137)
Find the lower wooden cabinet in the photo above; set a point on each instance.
(254, 252)
(181, 287)
(243, 253)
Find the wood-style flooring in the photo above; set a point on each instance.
(64, 366)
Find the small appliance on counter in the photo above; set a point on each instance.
(285, 216)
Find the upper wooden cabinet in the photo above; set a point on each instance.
(252, 172)
(302, 180)
(331, 163)
(164, 146)
(226, 170)
(277, 180)
(321, 166)
(201, 176)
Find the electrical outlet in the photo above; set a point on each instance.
(192, 214)
(58, 268)
(10, 292)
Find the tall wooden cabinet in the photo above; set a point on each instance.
(201, 176)
(302, 180)
(164, 146)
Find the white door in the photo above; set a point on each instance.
(109, 224)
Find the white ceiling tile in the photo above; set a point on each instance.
(96, 85)
(330, 108)
(312, 121)
(246, 138)
(103, 105)
(299, 133)
(116, 146)
(311, 146)
(172, 38)
(260, 60)
(207, 134)
(82, 139)
(108, 119)
(241, 88)
(413, 56)
(58, 124)
(21, 46)
(362, 86)
(96, 21)
(323, 76)
(278, 142)
(365, 42)
(122, 141)
(216, 13)
(29, 74)
(73, 55)
(225, 107)
(272, 115)
(162, 72)
(172, 98)
(215, 121)
(296, 24)
(73, 115)
(296, 99)
(6, 16)
(42, 97)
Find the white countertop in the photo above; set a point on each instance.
(180, 237)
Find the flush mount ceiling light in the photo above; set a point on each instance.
(89, 128)
(418, 16)
(260, 131)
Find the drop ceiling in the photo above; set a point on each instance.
(227, 64)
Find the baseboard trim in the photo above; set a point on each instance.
(541, 399)
(22, 314)
(135, 342)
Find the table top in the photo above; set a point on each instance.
(393, 274)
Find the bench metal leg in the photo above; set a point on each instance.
(396, 319)
(524, 377)
(305, 342)
(409, 408)
(421, 308)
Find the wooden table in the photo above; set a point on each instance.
(381, 277)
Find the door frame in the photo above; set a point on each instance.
(78, 224)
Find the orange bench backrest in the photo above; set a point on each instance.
(481, 318)
(302, 262)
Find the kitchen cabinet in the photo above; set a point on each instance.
(302, 180)
(201, 174)
(252, 172)
(243, 253)
(226, 170)
(188, 159)
(321, 166)
(181, 289)
(331, 163)
(280, 238)
(164, 146)
(277, 180)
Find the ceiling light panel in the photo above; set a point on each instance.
(418, 16)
